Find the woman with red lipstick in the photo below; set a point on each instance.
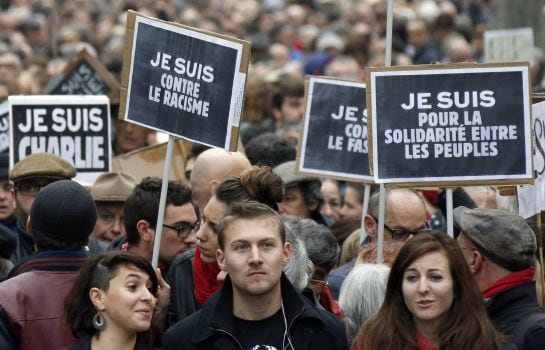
(431, 302)
(112, 303)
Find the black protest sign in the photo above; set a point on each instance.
(334, 140)
(451, 124)
(4, 127)
(84, 75)
(183, 81)
(76, 128)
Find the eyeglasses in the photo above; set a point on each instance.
(401, 234)
(318, 282)
(29, 188)
(184, 229)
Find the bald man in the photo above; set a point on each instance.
(405, 215)
(210, 169)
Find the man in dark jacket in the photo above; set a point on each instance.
(500, 249)
(31, 302)
(257, 307)
(29, 176)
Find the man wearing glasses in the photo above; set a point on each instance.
(405, 215)
(28, 177)
(179, 222)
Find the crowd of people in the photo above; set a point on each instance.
(252, 254)
(249, 258)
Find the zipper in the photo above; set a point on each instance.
(229, 334)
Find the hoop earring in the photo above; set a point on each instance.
(99, 323)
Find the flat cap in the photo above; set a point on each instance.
(286, 171)
(505, 238)
(113, 187)
(44, 165)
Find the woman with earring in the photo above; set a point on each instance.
(112, 303)
(431, 302)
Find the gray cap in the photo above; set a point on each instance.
(42, 165)
(286, 171)
(503, 237)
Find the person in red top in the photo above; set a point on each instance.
(431, 302)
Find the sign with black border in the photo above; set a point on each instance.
(334, 134)
(76, 128)
(183, 81)
(450, 124)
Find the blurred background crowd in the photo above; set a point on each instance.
(290, 38)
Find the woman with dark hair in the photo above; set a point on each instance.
(112, 302)
(431, 302)
(193, 278)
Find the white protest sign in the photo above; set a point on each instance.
(76, 128)
(508, 45)
(531, 198)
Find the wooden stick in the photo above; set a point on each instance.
(540, 250)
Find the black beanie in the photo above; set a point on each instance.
(63, 210)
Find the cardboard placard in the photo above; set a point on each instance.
(150, 161)
(84, 75)
(531, 198)
(334, 135)
(508, 45)
(450, 124)
(76, 128)
(183, 81)
(4, 127)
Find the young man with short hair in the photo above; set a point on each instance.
(257, 307)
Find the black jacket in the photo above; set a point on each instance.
(25, 246)
(182, 296)
(509, 307)
(212, 326)
(84, 343)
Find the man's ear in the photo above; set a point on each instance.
(220, 258)
(212, 185)
(477, 261)
(145, 231)
(370, 225)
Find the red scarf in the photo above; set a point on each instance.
(330, 304)
(205, 278)
(508, 281)
(423, 343)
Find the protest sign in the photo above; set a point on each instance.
(84, 75)
(76, 128)
(508, 45)
(531, 198)
(183, 81)
(334, 139)
(450, 124)
(4, 127)
(150, 161)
